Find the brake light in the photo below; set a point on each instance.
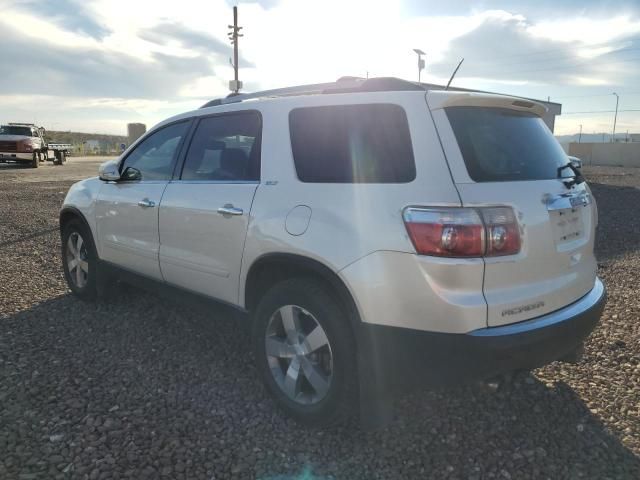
(503, 234)
(463, 232)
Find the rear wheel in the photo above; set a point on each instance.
(305, 352)
(79, 259)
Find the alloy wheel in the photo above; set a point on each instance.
(77, 262)
(299, 355)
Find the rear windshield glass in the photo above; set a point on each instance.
(506, 145)
(352, 144)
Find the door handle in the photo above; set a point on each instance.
(146, 203)
(229, 209)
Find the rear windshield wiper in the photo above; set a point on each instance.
(577, 178)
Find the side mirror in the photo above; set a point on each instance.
(109, 171)
(575, 162)
(131, 174)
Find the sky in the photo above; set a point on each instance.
(96, 65)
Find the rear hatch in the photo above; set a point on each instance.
(500, 152)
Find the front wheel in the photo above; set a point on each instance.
(79, 259)
(305, 352)
(34, 160)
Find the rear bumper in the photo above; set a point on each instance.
(406, 357)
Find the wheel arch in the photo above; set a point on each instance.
(271, 268)
(69, 213)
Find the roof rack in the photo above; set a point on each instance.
(342, 85)
(21, 124)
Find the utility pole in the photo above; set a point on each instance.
(580, 134)
(235, 85)
(615, 118)
(420, 61)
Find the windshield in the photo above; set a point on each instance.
(506, 145)
(15, 130)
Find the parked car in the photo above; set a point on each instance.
(377, 234)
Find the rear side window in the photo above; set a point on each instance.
(506, 145)
(352, 144)
(225, 148)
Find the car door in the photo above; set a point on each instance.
(127, 210)
(205, 212)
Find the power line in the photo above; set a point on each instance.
(601, 111)
(626, 94)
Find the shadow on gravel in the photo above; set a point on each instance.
(140, 387)
(619, 220)
(14, 166)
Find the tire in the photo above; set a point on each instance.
(35, 163)
(330, 397)
(82, 283)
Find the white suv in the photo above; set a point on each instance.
(379, 235)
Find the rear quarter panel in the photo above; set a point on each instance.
(348, 221)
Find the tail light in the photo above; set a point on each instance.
(503, 234)
(463, 232)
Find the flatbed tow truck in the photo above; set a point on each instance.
(26, 143)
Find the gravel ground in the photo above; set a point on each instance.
(138, 387)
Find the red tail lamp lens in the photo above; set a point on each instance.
(463, 232)
(445, 232)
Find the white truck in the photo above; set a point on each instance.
(25, 143)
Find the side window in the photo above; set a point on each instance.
(225, 148)
(155, 156)
(352, 144)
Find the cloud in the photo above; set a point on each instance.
(93, 72)
(509, 48)
(117, 60)
(266, 4)
(71, 15)
(532, 9)
(166, 32)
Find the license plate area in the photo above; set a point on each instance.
(568, 224)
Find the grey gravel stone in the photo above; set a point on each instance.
(189, 404)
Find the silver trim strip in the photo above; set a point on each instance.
(559, 316)
(233, 182)
(567, 201)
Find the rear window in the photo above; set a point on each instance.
(506, 145)
(352, 144)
